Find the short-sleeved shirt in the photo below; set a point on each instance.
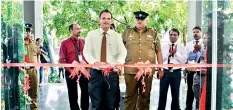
(141, 46)
(33, 52)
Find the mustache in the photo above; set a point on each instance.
(195, 35)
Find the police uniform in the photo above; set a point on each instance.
(33, 53)
(141, 46)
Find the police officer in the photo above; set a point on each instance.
(33, 53)
(141, 43)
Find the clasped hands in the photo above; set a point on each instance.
(197, 48)
(172, 52)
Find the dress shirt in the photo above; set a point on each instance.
(67, 52)
(194, 57)
(180, 57)
(116, 51)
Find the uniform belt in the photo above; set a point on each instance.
(172, 70)
(30, 67)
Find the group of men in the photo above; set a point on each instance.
(104, 46)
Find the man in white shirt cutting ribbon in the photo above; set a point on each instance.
(104, 46)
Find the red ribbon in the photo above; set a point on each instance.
(26, 85)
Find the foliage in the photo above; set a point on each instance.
(227, 20)
(11, 13)
(12, 27)
(224, 39)
(58, 14)
(52, 76)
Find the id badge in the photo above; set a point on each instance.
(80, 58)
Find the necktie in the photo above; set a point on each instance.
(168, 61)
(76, 44)
(197, 42)
(172, 49)
(103, 48)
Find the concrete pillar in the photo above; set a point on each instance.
(39, 19)
(33, 13)
(194, 16)
(29, 13)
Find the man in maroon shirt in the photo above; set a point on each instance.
(72, 50)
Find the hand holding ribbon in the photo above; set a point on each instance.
(79, 69)
(140, 71)
(117, 69)
(107, 71)
(143, 71)
(148, 70)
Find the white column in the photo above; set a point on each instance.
(33, 13)
(194, 16)
(38, 19)
(29, 14)
(214, 57)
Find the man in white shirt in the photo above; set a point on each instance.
(173, 53)
(195, 78)
(104, 46)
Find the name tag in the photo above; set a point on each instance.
(80, 58)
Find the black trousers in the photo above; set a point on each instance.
(171, 79)
(118, 97)
(61, 72)
(73, 92)
(103, 90)
(190, 93)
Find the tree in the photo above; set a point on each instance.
(12, 33)
(163, 14)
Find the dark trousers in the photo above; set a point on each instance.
(61, 72)
(173, 79)
(73, 92)
(118, 97)
(198, 81)
(103, 90)
(41, 74)
(190, 93)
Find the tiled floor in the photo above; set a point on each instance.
(55, 96)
